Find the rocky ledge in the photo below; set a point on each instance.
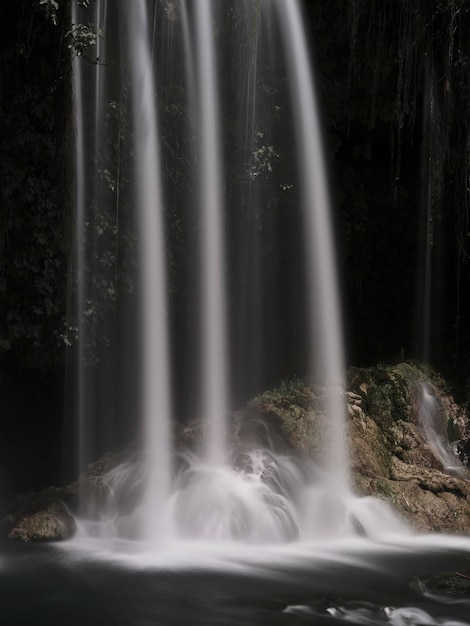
(41, 516)
(396, 451)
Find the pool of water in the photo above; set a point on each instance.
(127, 583)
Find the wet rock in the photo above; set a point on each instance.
(53, 522)
(290, 409)
(48, 515)
(393, 459)
(390, 456)
(463, 451)
(452, 584)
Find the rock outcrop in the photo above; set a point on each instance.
(41, 516)
(48, 515)
(390, 455)
(394, 454)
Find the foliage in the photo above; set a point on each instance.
(34, 211)
(294, 391)
(82, 37)
(36, 171)
(50, 9)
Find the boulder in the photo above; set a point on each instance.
(390, 456)
(51, 522)
(48, 515)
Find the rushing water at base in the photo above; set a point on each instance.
(260, 498)
(355, 582)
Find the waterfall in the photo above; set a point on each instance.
(95, 364)
(432, 423)
(178, 115)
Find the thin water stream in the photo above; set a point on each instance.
(326, 351)
(214, 362)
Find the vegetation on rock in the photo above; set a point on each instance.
(390, 457)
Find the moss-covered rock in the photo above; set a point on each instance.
(48, 515)
(390, 457)
(291, 406)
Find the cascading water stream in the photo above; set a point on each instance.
(429, 410)
(100, 20)
(213, 307)
(434, 431)
(156, 389)
(95, 369)
(249, 65)
(79, 238)
(323, 297)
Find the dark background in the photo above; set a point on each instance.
(393, 80)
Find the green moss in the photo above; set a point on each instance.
(386, 391)
(385, 489)
(293, 403)
(453, 431)
(288, 393)
(291, 400)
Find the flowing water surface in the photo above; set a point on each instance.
(341, 582)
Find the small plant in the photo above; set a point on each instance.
(50, 8)
(82, 37)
